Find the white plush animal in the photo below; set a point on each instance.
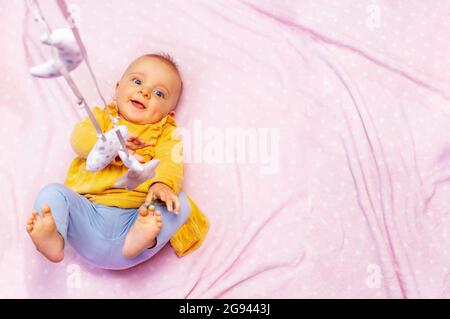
(104, 151)
(132, 179)
(68, 53)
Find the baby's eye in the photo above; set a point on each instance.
(158, 93)
(137, 81)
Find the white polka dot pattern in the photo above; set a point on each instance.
(359, 91)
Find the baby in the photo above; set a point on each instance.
(111, 227)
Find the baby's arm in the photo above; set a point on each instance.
(169, 173)
(169, 150)
(134, 143)
(84, 135)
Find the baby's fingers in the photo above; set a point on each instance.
(149, 198)
(131, 145)
(143, 143)
(136, 140)
(135, 144)
(140, 140)
(140, 158)
(169, 204)
(176, 200)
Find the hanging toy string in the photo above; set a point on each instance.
(136, 173)
(81, 100)
(64, 10)
(64, 72)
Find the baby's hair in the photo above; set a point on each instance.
(167, 58)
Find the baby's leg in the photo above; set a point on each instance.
(143, 233)
(137, 243)
(48, 224)
(45, 236)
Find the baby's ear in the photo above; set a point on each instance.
(172, 113)
(115, 93)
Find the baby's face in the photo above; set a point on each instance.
(148, 91)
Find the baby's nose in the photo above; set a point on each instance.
(144, 93)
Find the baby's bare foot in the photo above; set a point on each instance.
(45, 236)
(143, 233)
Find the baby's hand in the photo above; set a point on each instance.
(165, 193)
(134, 143)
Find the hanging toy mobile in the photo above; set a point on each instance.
(68, 51)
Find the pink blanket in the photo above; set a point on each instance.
(342, 188)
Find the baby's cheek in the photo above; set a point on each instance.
(120, 99)
(127, 94)
(124, 92)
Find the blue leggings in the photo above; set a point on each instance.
(97, 232)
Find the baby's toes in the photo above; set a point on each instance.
(46, 211)
(30, 220)
(158, 219)
(30, 224)
(143, 211)
(35, 217)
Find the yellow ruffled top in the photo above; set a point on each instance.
(98, 187)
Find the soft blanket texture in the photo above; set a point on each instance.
(358, 92)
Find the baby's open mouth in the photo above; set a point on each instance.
(138, 104)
